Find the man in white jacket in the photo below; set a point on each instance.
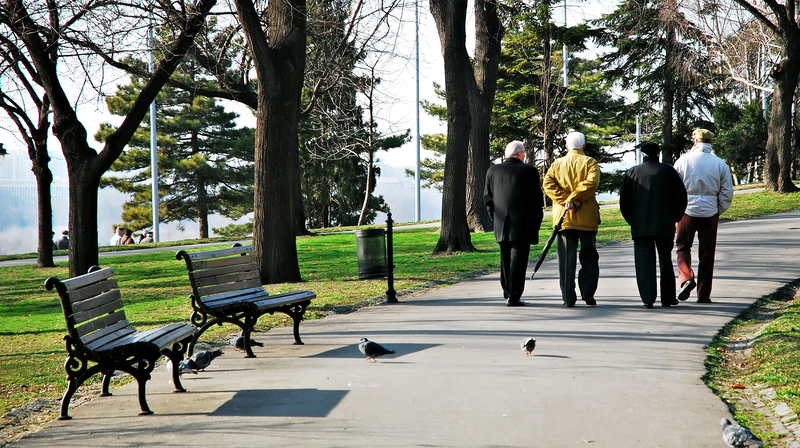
(710, 191)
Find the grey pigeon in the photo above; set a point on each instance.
(372, 350)
(528, 345)
(201, 360)
(738, 436)
(184, 368)
(238, 343)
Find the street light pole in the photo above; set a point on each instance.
(153, 143)
(418, 207)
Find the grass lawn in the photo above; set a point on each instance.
(155, 290)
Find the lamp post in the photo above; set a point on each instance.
(417, 204)
(153, 143)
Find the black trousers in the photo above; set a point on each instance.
(567, 249)
(513, 265)
(644, 255)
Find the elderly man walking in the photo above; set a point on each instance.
(652, 200)
(710, 191)
(571, 182)
(513, 199)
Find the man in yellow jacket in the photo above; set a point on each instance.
(571, 183)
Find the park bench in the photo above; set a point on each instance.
(98, 332)
(226, 287)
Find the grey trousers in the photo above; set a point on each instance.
(644, 255)
(567, 249)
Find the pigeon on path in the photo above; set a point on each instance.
(184, 368)
(201, 360)
(738, 436)
(528, 345)
(373, 350)
(238, 343)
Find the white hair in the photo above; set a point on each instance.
(514, 148)
(575, 140)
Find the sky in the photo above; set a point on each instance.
(396, 114)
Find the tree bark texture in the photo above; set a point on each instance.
(84, 165)
(488, 37)
(778, 157)
(44, 180)
(202, 204)
(667, 149)
(280, 64)
(450, 18)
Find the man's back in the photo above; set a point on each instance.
(514, 200)
(708, 183)
(574, 177)
(652, 199)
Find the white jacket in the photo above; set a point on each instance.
(708, 181)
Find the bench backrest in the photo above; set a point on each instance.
(217, 273)
(92, 308)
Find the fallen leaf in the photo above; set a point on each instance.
(738, 386)
(721, 349)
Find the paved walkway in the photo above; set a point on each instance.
(616, 375)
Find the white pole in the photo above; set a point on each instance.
(417, 214)
(153, 144)
(566, 54)
(638, 139)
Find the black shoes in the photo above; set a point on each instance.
(568, 305)
(647, 305)
(517, 302)
(590, 301)
(673, 303)
(686, 289)
(703, 300)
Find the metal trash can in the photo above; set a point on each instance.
(371, 248)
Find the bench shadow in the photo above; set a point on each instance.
(351, 351)
(281, 403)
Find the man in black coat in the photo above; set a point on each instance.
(652, 199)
(513, 198)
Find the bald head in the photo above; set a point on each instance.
(514, 148)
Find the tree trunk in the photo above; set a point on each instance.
(488, 37)
(667, 149)
(450, 17)
(202, 205)
(778, 166)
(280, 64)
(368, 193)
(544, 99)
(83, 187)
(44, 180)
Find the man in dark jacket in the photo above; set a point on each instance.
(652, 200)
(513, 199)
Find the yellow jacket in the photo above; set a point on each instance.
(574, 177)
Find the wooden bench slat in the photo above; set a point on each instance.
(229, 287)
(88, 279)
(109, 338)
(213, 297)
(105, 308)
(196, 256)
(221, 262)
(287, 299)
(99, 334)
(177, 334)
(92, 290)
(95, 302)
(223, 270)
(100, 323)
(224, 299)
(233, 277)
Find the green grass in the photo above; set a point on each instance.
(155, 290)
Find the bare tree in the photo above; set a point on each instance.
(33, 125)
(49, 32)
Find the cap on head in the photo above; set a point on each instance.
(65, 232)
(575, 140)
(703, 135)
(650, 148)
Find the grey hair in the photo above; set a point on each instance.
(575, 140)
(514, 148)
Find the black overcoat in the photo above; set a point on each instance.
(652, 199)
(513, 197)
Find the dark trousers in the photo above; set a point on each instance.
(644, 255)
(513, 264)
(567, 249)
(706, 229)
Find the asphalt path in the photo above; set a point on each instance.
(615, 375)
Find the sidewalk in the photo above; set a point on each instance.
(616, 375)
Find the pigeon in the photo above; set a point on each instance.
(201, 360)
(238, 343)
(528, 345)
(737, 436)
(372, 350)
(184, 368)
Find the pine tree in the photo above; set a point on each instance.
(205, 162)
